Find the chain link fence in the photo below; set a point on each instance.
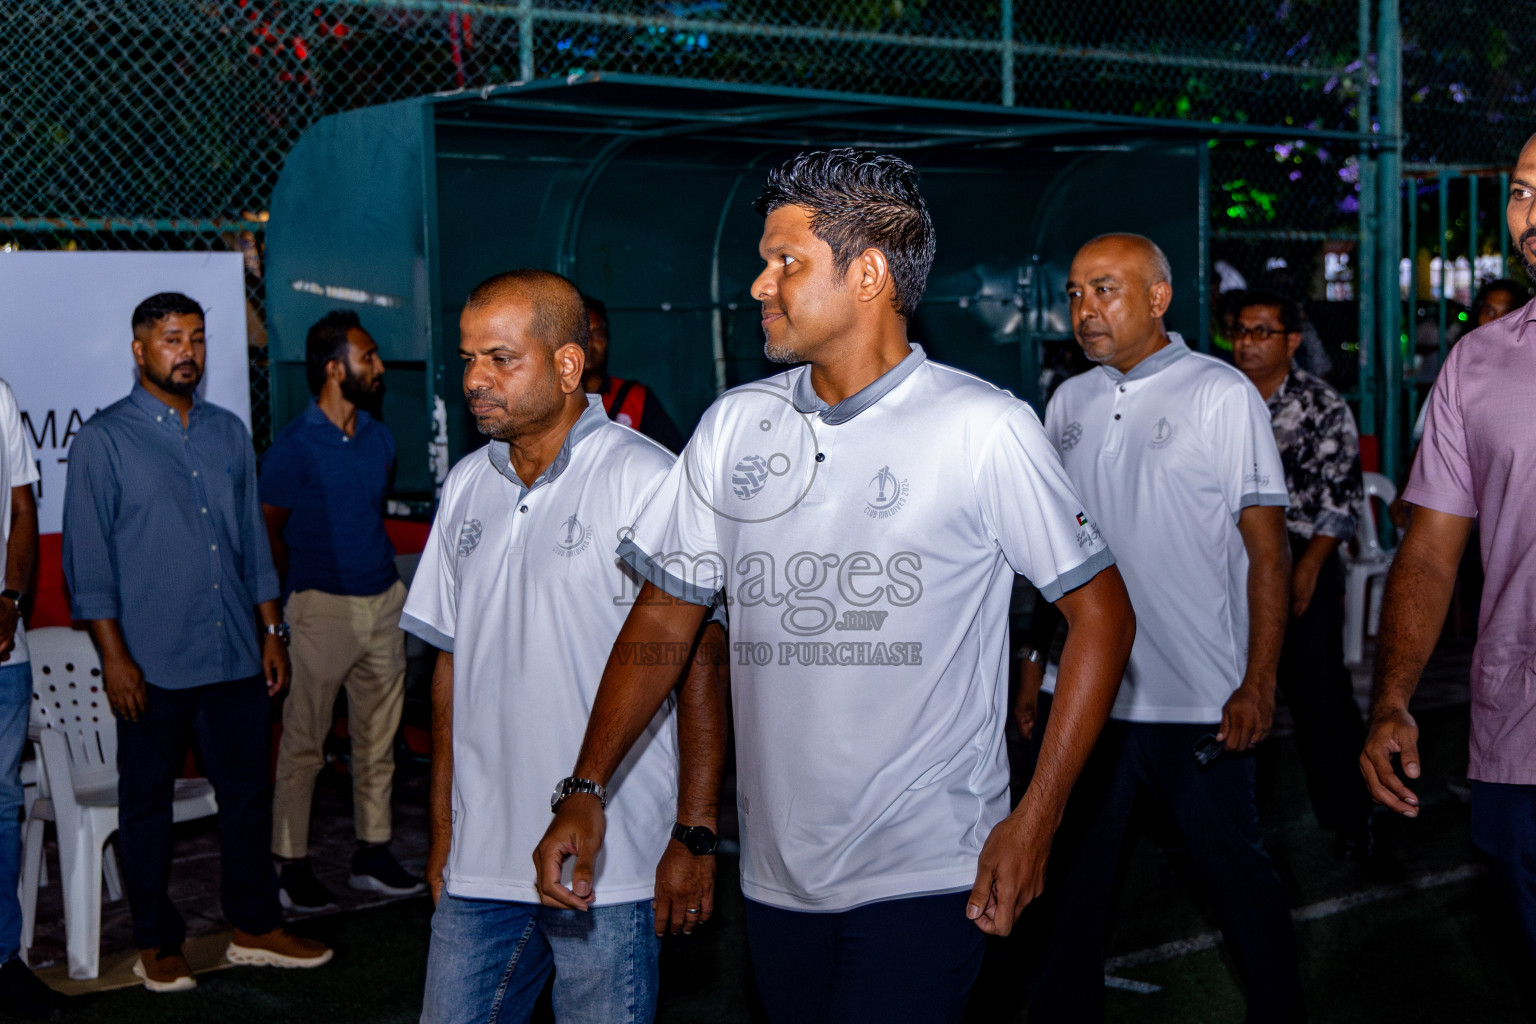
(162, 124)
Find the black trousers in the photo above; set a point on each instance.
(229, 721)
(1320, 694)
(1217, 817)
(912, 959)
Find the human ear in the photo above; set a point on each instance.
(570, 361)
(873, 274)
(1161, 294)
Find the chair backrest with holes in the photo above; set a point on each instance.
(68, 696)
(1367, 533)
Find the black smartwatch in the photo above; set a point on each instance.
(699, 839)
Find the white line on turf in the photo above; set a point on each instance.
(1311, 912)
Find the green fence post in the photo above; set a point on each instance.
(1389, 231)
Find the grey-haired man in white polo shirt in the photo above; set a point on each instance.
(519, 590)
(1174, 453)
(865, 514)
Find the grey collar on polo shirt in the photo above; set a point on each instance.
(808, 401)
(500, 452)
(1159, 360)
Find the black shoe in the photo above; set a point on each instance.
(299, 889)
(375, 868)
(25, 995)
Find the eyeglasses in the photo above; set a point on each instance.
(1259, 333)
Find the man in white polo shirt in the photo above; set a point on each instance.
(1173, 451)
(519, 590)
(865, 515)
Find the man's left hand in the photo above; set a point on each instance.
(10, 616)
(1303, 586)
(685, 890)
(1247, 716)
(1009, 873)
(274, 663)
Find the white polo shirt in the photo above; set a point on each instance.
(18, 466)
(1167, 456)
(522, 585)
(867, 552)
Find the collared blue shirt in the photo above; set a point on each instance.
(163, 532)
(333, 486)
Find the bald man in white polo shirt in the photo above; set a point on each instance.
(519, 590)
(865, 514)
(1174, 453)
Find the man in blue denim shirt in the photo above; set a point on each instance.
(166, 557)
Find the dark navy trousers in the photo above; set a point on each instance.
(1217, 816)
(1504, 827)
(230, 723)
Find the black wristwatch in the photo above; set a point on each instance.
(699, 839)
(16, 598)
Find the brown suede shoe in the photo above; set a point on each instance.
(164, 969)
(276, 948)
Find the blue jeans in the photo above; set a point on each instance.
(489, 960)
(15, 705)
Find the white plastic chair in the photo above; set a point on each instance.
(77, 744)
(1365, 571)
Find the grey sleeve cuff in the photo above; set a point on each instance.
(1078, 575)
(414, 626)
(1281, 500)
(1335, 524)
(647, 568)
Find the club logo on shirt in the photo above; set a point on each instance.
(1070, 435)
(1163, 434)
(469, 537)
(1256, 478)
(752, 473)
(574, 538)
(887, 494)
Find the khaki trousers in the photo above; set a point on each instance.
(340, 641)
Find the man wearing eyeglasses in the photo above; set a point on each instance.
(1320, 449)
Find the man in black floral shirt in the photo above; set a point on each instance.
(1320, 449)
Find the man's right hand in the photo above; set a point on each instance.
(1394, 732)
(437, 863)
(577, 831)
(124, 683)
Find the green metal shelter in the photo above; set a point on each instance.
(641, 190)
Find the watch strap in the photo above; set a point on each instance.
(700, 840)
(572, 785)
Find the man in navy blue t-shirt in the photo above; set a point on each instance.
(322, 491)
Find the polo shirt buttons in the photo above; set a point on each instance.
(1122, 389)
(821, 456)
(523, 508)
(1117, 415)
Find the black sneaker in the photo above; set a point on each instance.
(25, 995)
(375, 868)
(299, 890)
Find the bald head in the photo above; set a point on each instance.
(1152, 262)
(558, 315)
(1119, 288)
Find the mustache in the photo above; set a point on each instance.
(485, 395)
(185, 364)
(1527, 236)
(773, 311)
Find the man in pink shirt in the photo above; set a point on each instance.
(1477, 463)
